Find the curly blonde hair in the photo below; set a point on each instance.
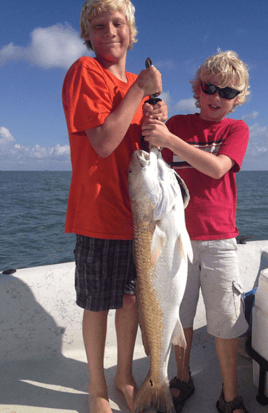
(229, 70)
(92, 8)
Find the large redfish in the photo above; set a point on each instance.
(162, 246)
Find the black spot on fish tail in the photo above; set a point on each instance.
(151, 383)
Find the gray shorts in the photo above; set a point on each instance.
(215, 270)
(104, 272)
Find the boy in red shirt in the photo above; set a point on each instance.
(103, 109)
(207, 150)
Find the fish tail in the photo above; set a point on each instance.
(154, 396)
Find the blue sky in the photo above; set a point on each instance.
(40, 40)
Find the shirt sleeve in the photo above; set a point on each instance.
(86, 97)
(235, 144)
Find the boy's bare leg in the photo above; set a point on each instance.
(126, 322)
(94, 333)
(182, 358)
(227, 351)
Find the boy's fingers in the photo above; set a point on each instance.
(150, 124)
(150, 81)
(159, 107)
(147, 107)
(158, 78)
(154, 112)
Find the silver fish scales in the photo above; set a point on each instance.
(162, 246)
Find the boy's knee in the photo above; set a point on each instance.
(129, 301)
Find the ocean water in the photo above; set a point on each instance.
(33, 207)
(32, 217)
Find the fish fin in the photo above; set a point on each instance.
(154, 395)
(178, 337)
(185, 246)
(184, 190)
(188, 245)
(181, 248)
(166, 199)
(158, 243)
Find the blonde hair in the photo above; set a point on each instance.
(229, 71)
(92, 8)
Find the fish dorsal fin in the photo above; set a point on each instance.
(178, 337)
(158, 243)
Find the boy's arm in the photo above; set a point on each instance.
(105, 138)
(157, 134)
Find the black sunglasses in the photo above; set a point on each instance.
(226, 92)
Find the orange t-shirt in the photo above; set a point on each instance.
(98, 204)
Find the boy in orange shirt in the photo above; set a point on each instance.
(103, 109)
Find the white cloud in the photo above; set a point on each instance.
(252, 115)
(5, 137)
(37, 152)
(257, 153)
(169, 64)
(186, 105)
(258, 132)
(166, 97)
(14, 156)
(50, 47)
(11, 52)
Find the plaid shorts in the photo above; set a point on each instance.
(104, 272)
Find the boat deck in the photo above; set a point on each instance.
(43, 364)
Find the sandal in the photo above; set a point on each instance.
(230, 407)
(186, 389)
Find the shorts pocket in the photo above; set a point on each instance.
(238, 297)
(90, 270)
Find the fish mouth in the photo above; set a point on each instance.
(143, 158)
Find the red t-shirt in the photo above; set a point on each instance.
(211, 213)
(98, 204)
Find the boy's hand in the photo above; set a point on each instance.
(158, 111)
(155, 132)
(150, 81)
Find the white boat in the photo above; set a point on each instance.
(43, 364)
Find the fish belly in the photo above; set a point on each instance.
(158, 293)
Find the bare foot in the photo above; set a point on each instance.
(98, 401)
(129, 390)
